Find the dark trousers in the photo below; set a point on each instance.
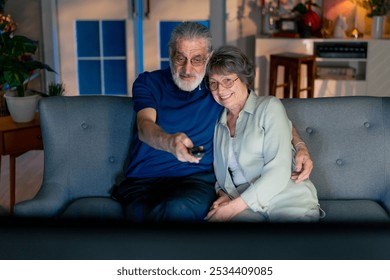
(167, 199)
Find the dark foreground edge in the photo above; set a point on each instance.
(48, 239)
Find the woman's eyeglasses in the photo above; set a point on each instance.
(226, 83)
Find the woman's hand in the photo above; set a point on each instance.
(224, 209)
(304, 164)
(222, 199)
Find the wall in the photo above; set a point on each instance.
(26, 15)
(242, 24)
(35, 12)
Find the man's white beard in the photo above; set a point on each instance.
(187, 85)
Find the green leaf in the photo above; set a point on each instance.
(17, 62)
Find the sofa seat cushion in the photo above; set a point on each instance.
(353, 211)
(94, 208)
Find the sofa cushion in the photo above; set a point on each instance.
(86, 141)
(354, 211)
(94, 207)
(346, 139)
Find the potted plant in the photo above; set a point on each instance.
(17, 67)
(377, 10)
(55, 89)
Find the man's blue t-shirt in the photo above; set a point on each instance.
(193, 113)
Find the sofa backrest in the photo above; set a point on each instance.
(348, 141)
(86, 142)
(87, 139)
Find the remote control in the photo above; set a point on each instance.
(197, 152)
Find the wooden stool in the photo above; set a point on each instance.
(292, 63)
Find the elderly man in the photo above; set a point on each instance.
(176, 112)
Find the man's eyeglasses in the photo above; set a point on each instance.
(226, 83)
(196, 61)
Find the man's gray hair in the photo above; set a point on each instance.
(189, 30)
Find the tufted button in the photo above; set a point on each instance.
(339, 162)
(84, 125)
(309, 130)
(111, 159)
(367, 125)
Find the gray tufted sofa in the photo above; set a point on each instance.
(87, 138)
(348, 138)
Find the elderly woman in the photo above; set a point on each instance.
(253, 154)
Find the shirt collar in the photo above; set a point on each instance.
(250, 104)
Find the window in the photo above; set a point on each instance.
(101, 57)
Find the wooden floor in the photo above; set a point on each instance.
(29, 173)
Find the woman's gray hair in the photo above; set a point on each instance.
(188, 31)
(227, 60)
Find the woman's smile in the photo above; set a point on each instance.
(225, 96)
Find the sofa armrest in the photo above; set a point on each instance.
(50, 201)
(386, 202)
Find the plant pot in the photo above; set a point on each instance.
(22, 109)
(377, 27)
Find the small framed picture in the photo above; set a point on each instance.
(288, 25)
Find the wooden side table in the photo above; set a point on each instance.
(292, 63)
(15, 140)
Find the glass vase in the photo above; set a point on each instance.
(377, 27)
